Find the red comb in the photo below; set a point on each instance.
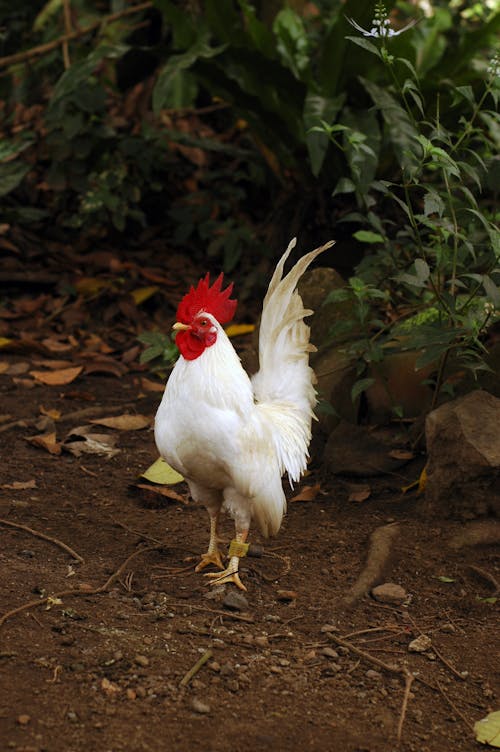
(209, 299)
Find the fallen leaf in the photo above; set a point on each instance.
(442, 578)
(141, 294)
(161, 473)
(124, 422)
(235, 330)
(401, 454)
(54, 414)
(55, 345)
(147, 491)
(308, 493)
(90, 286)
(53, 365)
(359, 492)
(83, 440)
(106, 365)
(57, 378)
(20, 485)
(4, 341)
(17, 369)
(152, 386)
(47, 441)
(487, 730)
(4, 367)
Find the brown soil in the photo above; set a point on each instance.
(103, 671)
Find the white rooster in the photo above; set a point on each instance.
(230, 436)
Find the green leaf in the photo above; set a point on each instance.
(360, 386)
(366, 236)
(173, 83)
(319, 109)
(366, 45)
(11, 175)
(292, 41)
(433, 203)
(443, 578)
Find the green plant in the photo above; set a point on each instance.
(161, 351)
(434, 244)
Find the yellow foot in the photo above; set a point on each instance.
(228, 575)
(213, 557)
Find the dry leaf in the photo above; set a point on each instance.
(83, 440)
(359, 492)
(124, 422)
(162, 474)
(4, 367)
(106, 365)
(57, 378)
(54, 414)
(144, 293)
(235, 330)
(51, 364)
(401, 454)
(150, 492)
(55, 345)
(308, 493)
(47, 441)
(152, 386)
(20, 485)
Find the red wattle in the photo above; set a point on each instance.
(189, 346)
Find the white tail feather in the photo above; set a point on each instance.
(283, 386)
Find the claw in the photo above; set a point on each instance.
(209, 558)
(228, 575)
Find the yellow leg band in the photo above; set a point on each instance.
(238, 548)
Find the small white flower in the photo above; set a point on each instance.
(381, 25)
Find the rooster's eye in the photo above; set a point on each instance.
(203, 322)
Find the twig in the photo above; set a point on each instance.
(194, 669)
(42, 49)
(454, 707)
(38, 534)
(486, 576)
(409, 679)
(68, 593)
(370, 658)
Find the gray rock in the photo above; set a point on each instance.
(389, 592)
(235, 601)
(463, 449)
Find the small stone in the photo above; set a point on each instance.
(72, 716)
(328, 628)
(199, 706)
(389, 592)
(233, 685)
(141, 660)
(372, 674)
(131, 694)
(235, 601)
(140, 692)
(275, 669)
(420, 644)
(214, 666)
(330, 653)
(27, 553)
(261, 641)
(23, 719)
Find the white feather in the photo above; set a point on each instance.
(232, 437)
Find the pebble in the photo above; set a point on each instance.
(235, 601)
(131, 694)
(199, 706)
(27, 553)
(261, 641)
(420, 644)
(372, 674)
(330, 652)
(389, 592)
(141, 660)
(23, 719)
(328, 628)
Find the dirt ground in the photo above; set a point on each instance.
(108, 638)
(108, 670)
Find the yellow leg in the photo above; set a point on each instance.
(213, 555)
(231, 574)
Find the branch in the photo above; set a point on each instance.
(42, 49)
(38, 534)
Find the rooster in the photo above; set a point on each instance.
(233, 437)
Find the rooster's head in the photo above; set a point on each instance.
(198, 316)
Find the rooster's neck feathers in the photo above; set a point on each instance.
(210, 299)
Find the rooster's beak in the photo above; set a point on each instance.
(178, 326)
